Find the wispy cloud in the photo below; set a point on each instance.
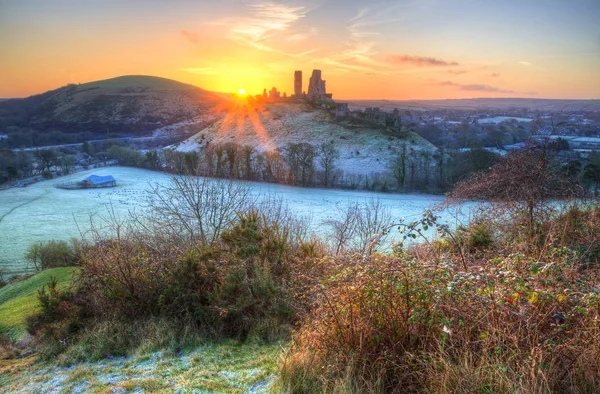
(456, 72)
(359, 52)
(420, 61)
(494, 75)
(190, 35)
(475, 87)
(524, 63)
(266, 20)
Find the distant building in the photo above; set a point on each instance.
(99, 181)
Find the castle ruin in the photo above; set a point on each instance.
(298, 83)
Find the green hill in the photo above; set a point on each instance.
(19, 300)
(134, 104)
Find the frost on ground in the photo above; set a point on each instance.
(223, 368)
(41, 212)
(364, 149)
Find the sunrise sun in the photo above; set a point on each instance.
(241, 91)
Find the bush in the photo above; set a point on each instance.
(57, 320)
(53, 254)
(397, 324)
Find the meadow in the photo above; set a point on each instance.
(41, 212)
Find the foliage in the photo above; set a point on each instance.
(52, 254)
(396, 324)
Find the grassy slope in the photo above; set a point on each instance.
(364, 149)
(227, 367)
(148, 81)
(18, 300)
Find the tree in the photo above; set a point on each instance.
(524, 182)
(87, 148)
(152, 159)
(33, 255)
(66, 163)
(591, 173)
(300, 158)
(399, 167)
(46, 158)
(192, 209)
(247, 153)
(51, 254)
(231, 150)
(328, 154)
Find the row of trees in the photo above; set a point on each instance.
(21, 164)
(303, 164)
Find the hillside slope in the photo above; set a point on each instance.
(134, 104)
(19, 300)
(364, 149)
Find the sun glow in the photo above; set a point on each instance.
(241, 91)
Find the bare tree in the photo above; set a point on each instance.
(399, 166)
(247, 153)
(232, 150)
(328, 154)
(194, 209)
(359, 227)
(300, 158)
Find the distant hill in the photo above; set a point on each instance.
(364, 149)
(482, 103)
(127, 104)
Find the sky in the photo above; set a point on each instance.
(375, 49)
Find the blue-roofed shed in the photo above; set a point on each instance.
(100, 181)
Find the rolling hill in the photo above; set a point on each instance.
(364, 149)
(128, 104)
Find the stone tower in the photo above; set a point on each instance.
(298, 83)
(316, 86)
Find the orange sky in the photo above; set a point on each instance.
(409, 49)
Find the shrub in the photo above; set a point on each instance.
(58, 318)
(53, 254)
(397, 324)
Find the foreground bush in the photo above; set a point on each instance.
(244, 284)
(395, 324)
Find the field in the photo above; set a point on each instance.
(41, 212)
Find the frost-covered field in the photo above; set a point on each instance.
(228, 367)
(41, 212)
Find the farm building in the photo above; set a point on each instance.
(99, 181)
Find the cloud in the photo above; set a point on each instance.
(456, 72)
(475, 87)
(190, 35)
(359, 53)
(420, 61)
(266, 20)
(494, 75)
(524, 63)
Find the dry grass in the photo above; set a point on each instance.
(425, 322)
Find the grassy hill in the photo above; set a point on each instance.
(364, 149)
(126, 104)
(18, 300)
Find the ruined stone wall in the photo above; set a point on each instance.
(298, 83)
(316, 86)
